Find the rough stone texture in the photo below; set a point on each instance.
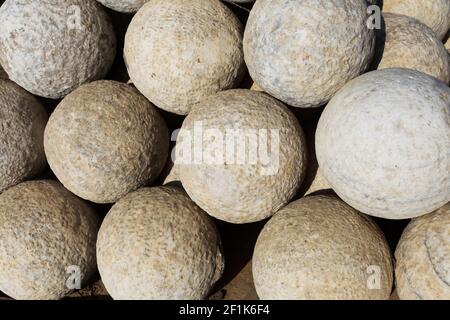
(44, 229)
(128, 6)
(435, 13)
(321, 248)
(411, 44)
(52, 47)
(22, 124)
(423, 258)
(105, 140)
(382, 143)
(303, 52)
(242, 185)
(155, 243)
(179, 52)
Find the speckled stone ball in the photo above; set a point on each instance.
(52, 47)
(435, 13)
(155, 243)
(411, 44)
(127, 6)
(179, 52)
(423, 258)
(47, 241)
(243, 155)
(382, 143)
(318, 247)
(22, 124)
(303, 52)
(105, 140)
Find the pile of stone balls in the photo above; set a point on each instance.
(325, 122)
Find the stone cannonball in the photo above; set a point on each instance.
(382, 143)
(435, 13)
(243, 155)
(52, 47)
(155, 243)
(22, 124)
(105, 140)
(411, 44)
(423, 258)
(303, 52)
(318, 247)
(47, 241)
(128, 6)
(179, 52)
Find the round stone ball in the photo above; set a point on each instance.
(47, 241)
(52, 47)
(243, 155)
(423, 258)
(318, 247)
(127, 6)
(105, 140)
(435, 14)
(303, 52)
(179, 52)
(382, 143)
(411, 44)
(155, 243)
(23, 121)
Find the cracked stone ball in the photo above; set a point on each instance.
(242, 155)
(52, 47)
(382, 143)
(155, 243)
(22, 125)
(104, 140)
(423, 258)
(179, 52)
(47, 240)
(303, 52)
(318, 247)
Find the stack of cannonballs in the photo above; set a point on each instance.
(344, 137)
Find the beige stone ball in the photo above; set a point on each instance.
(52, 47)
(241, 155)
(382, 143)
(423, 258)
(434, 13)
(127, 6)
(22, 124)
(47, 241)
(155, 243)
(104, 140)
(318, 247)
(303, 52)
(179, 52)
(413, 45)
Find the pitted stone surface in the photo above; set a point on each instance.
(155, 243)
(318, 247)
(44, 232)
(382, 143)
(435, 13)
(411, 44)
(22, 124)
(242, 185)
(303, 52)
(105, 140)
(52, 47)
(128, 6)
(423, 257)
(179, 52)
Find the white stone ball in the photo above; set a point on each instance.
(303, 52)
(382, 143)
(52, 47)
